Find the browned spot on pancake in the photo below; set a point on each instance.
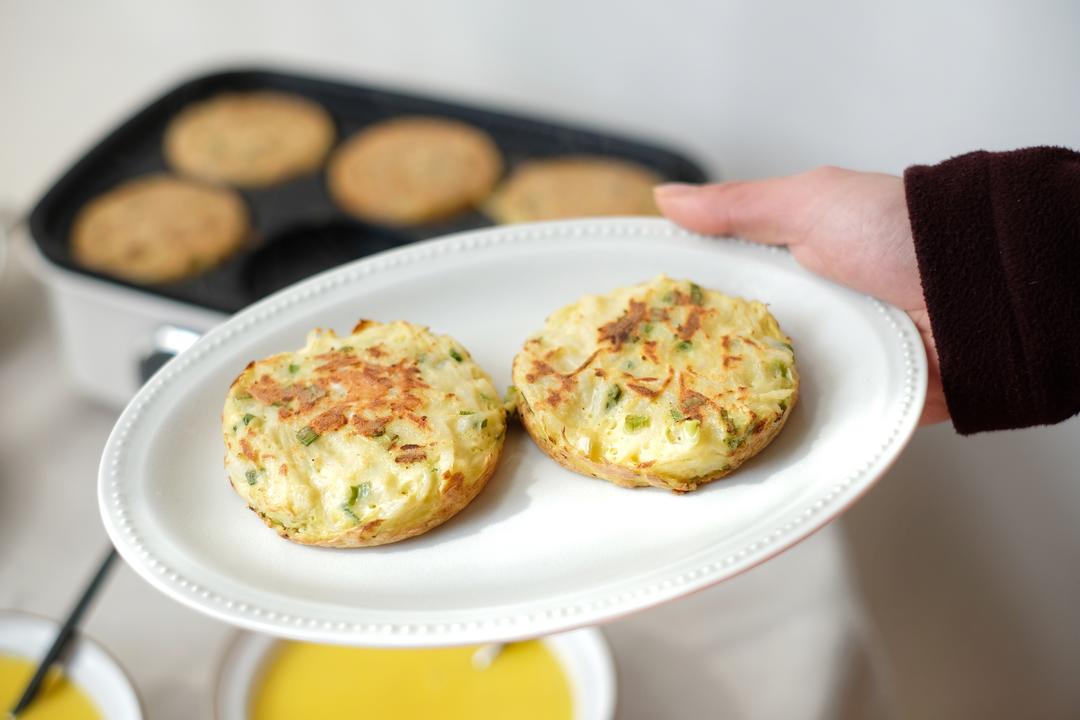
(585, 364)
(692, 324)
(691, 402)
(566, 384)
(454, 481)
(682, 298)
(730, 360)
(268, 390)
(646, 464)
(410, 454)
(645, 390)
(284, 413)
(309, 396)
(360, 325)
(419, 420)
(649, 351)
(599, 372)
(284, 469)
(379, 390)
(329, 421)
(336, 359)
(726, 342)
(750, 342)
(376, 351)
(539, 369)
(759, 426)
(660, 314)
(619, 331)
(249, 452)
(371, 427)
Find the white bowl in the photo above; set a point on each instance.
(583, 655)
(88, 665)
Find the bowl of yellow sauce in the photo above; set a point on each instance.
(87, 685)
(562, 677)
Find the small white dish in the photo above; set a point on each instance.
(542, 550)
(583, 655)
(88, 665)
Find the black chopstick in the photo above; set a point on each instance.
(63, 638)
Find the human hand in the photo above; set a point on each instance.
(851, 227)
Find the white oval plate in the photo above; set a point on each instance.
(583, 655)
(86, 664)
(541, 549)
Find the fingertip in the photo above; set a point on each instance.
(674, 190)
(689, 205)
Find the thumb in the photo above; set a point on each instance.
(764, 211)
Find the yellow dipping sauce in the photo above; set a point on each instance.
(301, 680)
(58, 699)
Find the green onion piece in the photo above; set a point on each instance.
(243, 395)
(789, 347)
(693, 427)
(248, 417)
(483, 423)
(358, 492)
(293, 367)
(696, 296)
(346, 348)
(613, 396)
(646, 328)
(252, 476)
(783, 405)
(684, 345)
(306, 435)
(780, 369)
(466, 412)
(456, 355)
(348, 511)
(669, 297)
(636, 422)
(676, 415)
(729, 425)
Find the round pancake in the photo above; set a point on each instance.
(413, 169)
(158, 228)
(573, 187)
(249, 139)
(365, 439)
(664, 383)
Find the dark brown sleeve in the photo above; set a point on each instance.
(997, 236)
